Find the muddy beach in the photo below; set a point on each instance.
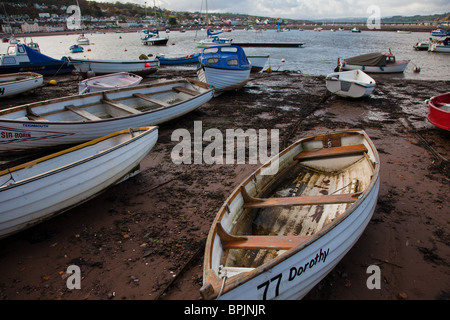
(143, 239)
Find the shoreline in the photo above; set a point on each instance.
(326, 27)
(143, 239)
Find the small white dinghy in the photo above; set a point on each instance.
(286, 226)
(353, 84)
(15, 83)
(40, 189)
(108, 82)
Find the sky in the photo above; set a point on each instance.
(304, 9)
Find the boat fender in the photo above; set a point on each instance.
(364, 68)
(147, 64)
(382, 69)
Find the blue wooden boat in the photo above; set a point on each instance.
(21, 58)
(76, 48)
(187, 59)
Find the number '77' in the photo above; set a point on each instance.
(265, 285)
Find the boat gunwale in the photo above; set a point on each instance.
(244, 277)
(31, 75)
(101, 93)
(146, 131)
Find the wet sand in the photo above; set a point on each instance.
(144, 238)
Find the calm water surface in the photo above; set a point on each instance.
(318, 56)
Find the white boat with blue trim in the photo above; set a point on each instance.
(40, 189)
(284, 228)
(224, 67)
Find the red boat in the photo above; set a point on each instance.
(439, 111)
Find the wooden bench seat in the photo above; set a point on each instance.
(82, 113)
(120, 106)
(258, 242)
(331, 152)
(186, 90)
(152, 100)
(252, 202)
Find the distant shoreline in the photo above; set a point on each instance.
(347, 27)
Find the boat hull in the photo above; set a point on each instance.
(60, 126)
(439, 111)
(12, 84)
(101, 67)
(223, 79)
(58, 183)
(397, 67)
(291, 270)
(352, 84)
(192, 59)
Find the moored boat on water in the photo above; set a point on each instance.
(38, 190)
(286, 226)
(440, 45)
(76, 119)
(374, 63)
(15, 83)
(100, 67)
(21, 58)
(353, 84)
(224, 67)
(76, 48)
(83, 40)
(109, 82)
(152, 38)
(439, 111)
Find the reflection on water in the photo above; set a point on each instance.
(318, 56)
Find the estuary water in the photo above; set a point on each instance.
(318, 56)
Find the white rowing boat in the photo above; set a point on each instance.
(75, 119)
(288, 225)
(15, 83)
(100, 67)
(109, 82)
(38, 190)
(258, 62)
(353, 84)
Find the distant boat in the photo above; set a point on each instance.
(109, 82)
(213, 39)
(152, 38)
(181, 60)
(439, 111)
(76, 48)
(82, 39)
(15, 83)
(353, 84)
(355, 29)
(440, 45)
(224, 67)
(21, 58)
(43, 188)
(374, 63)
(422, 46)
(289, 223)
(258, 62)
(439, 33)
(79, 118)
(403, 31)
(100, 67)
